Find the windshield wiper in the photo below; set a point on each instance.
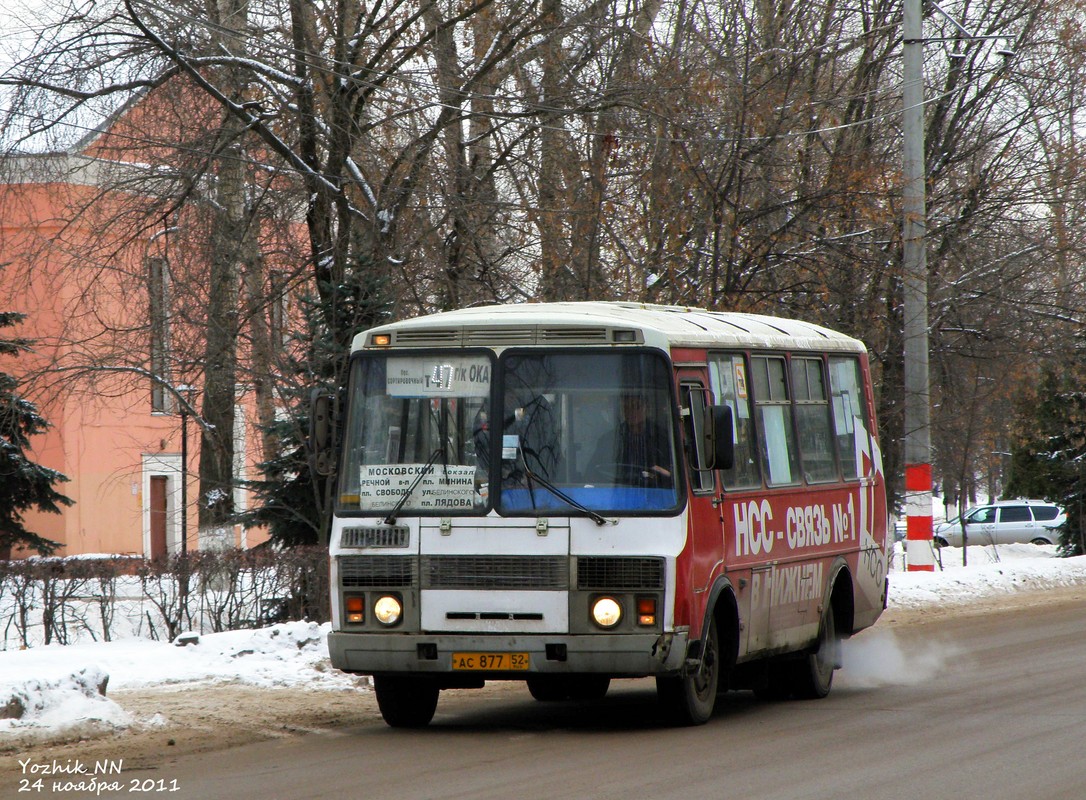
(595, 516)
(391, 518)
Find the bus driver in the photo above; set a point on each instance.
(639, 451)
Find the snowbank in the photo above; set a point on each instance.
(68, 689)
(72, 702)
(990, 571)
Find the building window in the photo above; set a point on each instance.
(158, 292)
(278, 309)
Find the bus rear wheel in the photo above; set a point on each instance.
(405, 702)
(690, 698)
(808, 677)
(814, 673)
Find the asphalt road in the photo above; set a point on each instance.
(991, 707)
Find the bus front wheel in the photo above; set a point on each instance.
(690, 698)
(405, 702)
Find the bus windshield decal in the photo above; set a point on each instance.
(438, 487)
(438, 376)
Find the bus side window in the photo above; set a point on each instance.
(693, 414)
(774, 415)
(728, 375)
(816, 450)
(849, 412)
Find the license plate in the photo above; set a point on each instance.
(490, 661)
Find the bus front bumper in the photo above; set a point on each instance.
(624, 655)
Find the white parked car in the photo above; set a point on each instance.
(1005, 522)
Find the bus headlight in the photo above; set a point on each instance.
(388, 609)
(606, 612)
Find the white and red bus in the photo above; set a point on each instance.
(568, 493)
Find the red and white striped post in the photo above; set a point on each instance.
(919, 553)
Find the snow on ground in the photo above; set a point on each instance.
(56, 688)
(1000, 570)
(47, 689)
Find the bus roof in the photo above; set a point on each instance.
(597, 322)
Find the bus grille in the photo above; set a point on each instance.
(613, 573)
(495, 572)
(383, 571)
(375, 537)
(502, 572)
(498, 337)
(507, 336)
(573, 335)
(426, 337)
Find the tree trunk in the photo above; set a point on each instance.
(228, 242)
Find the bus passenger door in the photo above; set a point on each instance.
(704, 548)
(742, 494)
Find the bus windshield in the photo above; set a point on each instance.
(417, 434)
(589, 430)
(580, 433)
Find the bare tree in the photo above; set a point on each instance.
(438, 154)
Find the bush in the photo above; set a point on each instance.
(64, 600)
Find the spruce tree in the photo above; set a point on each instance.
(1050, 461)
(292, 497)
(24, 485)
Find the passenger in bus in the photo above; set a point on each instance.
(639, 451)
(480, 436)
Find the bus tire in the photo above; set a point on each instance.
(814, 672)
(548, 688)
(689, 699)
(588, 687)
(405, 702)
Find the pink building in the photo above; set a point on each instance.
(105, 313)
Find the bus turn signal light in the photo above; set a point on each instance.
(646, 611)
(356, 608)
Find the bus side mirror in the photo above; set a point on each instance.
(322, 432)
(719, 441)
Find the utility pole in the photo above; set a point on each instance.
(919, 547)
(919, 550)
